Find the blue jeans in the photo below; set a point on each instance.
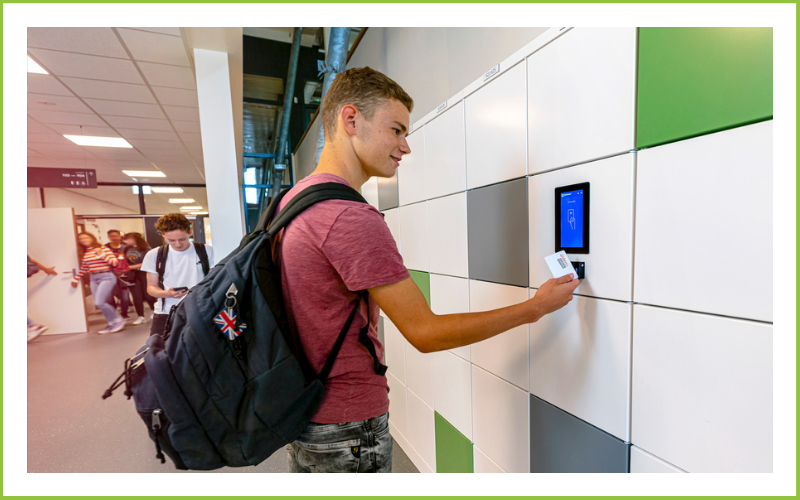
(364, 446)
(102, 285)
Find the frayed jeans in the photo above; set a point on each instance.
(364, 446)
(102, 285)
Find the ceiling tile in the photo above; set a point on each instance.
(37, 128)
(191, 137)
(56, 103)
(51, 147)
(144, 144)
(176, 97)
(164, 75)
(88, 163)
(42, 161)
(177, 153)
(68, 155)
(166, 31)
(147, 134)
(46, 84)
(134, 109)
(139, 123)
(182, 126)
(182, 113)
(118, 154)
(109, 90)
(95, 41)
(83, 66)
(78, 130)
(155, 47)
(131, 165)
(57, 117)
(50, 138)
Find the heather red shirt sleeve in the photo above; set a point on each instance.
(362, 250)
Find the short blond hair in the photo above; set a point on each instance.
(365, 89)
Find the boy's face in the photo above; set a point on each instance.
(380, 143)
(177, 239)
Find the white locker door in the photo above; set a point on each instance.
(51, 299)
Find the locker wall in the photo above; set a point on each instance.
(662, 361)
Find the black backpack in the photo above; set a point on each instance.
(211, 402)
(161, 263)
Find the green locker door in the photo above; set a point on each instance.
(694, 81)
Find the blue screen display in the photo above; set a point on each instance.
(572, 219)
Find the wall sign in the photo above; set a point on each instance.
(85, 178)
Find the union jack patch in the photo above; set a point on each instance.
(226, 321)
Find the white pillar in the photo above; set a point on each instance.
(220, 155)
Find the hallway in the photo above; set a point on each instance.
(71, 429)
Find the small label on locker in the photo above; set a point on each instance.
(441, 107)
(491, 72)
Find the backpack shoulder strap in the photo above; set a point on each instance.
(161, 266)
(308, 197)
(200, 248)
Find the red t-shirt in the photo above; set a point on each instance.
(328, 254)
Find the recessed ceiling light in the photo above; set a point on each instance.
(198, 213)
(33, 67)
(192, 207)
(103, 142)
(144, 173)
(181, 200)
(167, 190)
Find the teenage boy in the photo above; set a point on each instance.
(121, 294)
(183, 270)
(336, 249)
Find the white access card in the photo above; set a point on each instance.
(560, 265)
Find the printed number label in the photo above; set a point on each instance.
(442, 107)
(491, 72)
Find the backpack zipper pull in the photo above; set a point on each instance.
(157, 430)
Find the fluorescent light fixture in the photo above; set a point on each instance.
(33, 67)
(165, 190)
(144, 173)
(102, 142)
(135, 189)
(198, 213)
(181, 200)
(192, 207)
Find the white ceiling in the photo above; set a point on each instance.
(136, 83)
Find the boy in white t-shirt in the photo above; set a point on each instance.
(183, 268)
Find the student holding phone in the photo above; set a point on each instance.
(184, 265)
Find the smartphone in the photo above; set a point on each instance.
(180, 288)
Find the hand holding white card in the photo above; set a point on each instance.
(560, 265)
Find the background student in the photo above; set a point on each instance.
(121, 293)
(98, 261)
(135, 249)
(184, 267)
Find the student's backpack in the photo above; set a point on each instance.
(210, 401)
(122, 266)
(161, 263)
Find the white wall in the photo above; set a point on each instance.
(85, 204)
(691, 389)
(34, 198)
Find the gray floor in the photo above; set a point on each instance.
(71, 429)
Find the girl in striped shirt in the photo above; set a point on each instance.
(98, 261)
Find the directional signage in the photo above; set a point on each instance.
(84, 178)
